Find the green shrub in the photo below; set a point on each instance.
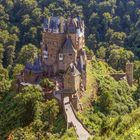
(46, 83)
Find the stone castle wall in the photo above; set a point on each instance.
(52, 42)
(128, 75)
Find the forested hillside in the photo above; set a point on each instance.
(114, 114)
(112, 31)
(110, 26)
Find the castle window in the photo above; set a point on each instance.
(45, 53)
(60, 57)
(45, 57)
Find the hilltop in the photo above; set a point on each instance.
(108, 104)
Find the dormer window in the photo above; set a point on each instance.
(61, 57)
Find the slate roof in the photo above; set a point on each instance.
(68, 25)
(68, 46)
(46, 23)
(74, 71)
(36, 67)
(80, 64)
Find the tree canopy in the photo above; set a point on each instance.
(112, 34)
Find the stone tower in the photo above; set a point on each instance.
(129, 73)
(72, 79)
(62, 43)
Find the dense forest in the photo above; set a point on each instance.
(112, 33)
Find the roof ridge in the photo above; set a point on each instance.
(68, 46)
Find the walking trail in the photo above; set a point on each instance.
(82, 133)
(71, 118)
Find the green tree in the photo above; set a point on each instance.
(9, 55)
(116, 21)
(92, 42)
(137, 71)
(107, 19)
(27, 54)
(119, 57)
(5, 84)
(17, 70)
(101, 53)
(4, 17)
(118, 38)
(50, 111)
(1, 53)
(47, 84)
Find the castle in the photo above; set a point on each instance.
(62, 56)
(62, 46)
(63, 59)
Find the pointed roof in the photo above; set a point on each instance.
(35, 67)
(68, 46)
(74, 71)
(80, 64)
